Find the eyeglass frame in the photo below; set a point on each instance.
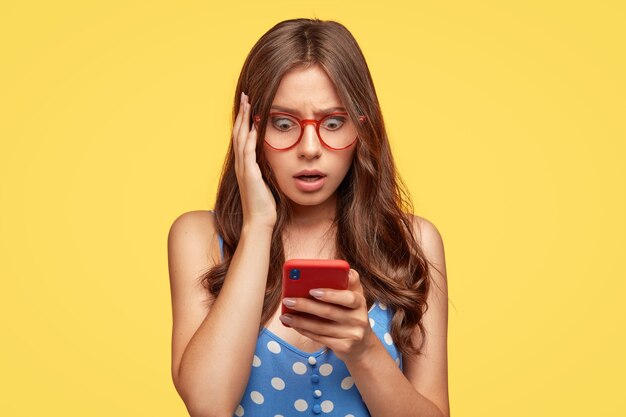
(303, 123)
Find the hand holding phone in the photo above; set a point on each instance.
(302, 275)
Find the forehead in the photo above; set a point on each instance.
(308, 89)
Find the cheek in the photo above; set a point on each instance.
(275, 166)
(348, 160)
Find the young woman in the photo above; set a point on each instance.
(320, 184)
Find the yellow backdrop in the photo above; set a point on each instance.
(507, 122)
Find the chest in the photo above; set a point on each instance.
(313, 247)
(291, 336)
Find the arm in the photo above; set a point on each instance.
(385, 389)
(215, 352)
(422, 390)
(209, 381)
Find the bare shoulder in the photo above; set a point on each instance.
(193, 234)
(191, 251)
(431, 242)
(426, 232)
(428, 372)
(198, 220)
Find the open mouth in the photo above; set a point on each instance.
(309, 178)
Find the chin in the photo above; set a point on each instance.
(310, 200)
(301, 198)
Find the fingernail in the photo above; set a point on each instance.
(289, 302)
(316, 293)
(285, 318)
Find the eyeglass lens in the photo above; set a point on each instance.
(282, 131)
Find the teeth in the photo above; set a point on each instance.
(309, 178)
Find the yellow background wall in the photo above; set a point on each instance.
(507, 122)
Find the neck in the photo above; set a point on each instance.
(314, 216)
(311, 232)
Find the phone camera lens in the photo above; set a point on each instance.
(294, 274)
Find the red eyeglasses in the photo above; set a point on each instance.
(283, 131)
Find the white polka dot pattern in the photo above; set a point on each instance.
(273, 346)
(278, 383)
(286, 381)
(347, 383)
(301, 405)
(257, 397)
(326, 369)
(327, 406)
(299, 368)
(282, 382)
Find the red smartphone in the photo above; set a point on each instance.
(302, 275)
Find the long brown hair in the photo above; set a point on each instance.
(373, 232)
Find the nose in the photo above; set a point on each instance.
(310, 145)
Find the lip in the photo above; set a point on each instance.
(308, 186)
(310, 172)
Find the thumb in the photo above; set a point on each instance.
(354, 281)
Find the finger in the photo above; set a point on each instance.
(327, 341)
(250, 146)
(324, 340)
(238, 118)
(345, 298)
(352, 298)
(240, 133)
(243, 131)
(319, 327)
(235, 133)
(354, 281)
(321, 309)
(250, 149)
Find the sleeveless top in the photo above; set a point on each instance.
(286, 381)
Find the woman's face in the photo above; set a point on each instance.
(307, 93)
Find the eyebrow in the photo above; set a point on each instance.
(317, 112)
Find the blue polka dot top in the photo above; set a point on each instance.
(286, 381)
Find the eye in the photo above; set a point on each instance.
(334, 122)
(283, 123)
